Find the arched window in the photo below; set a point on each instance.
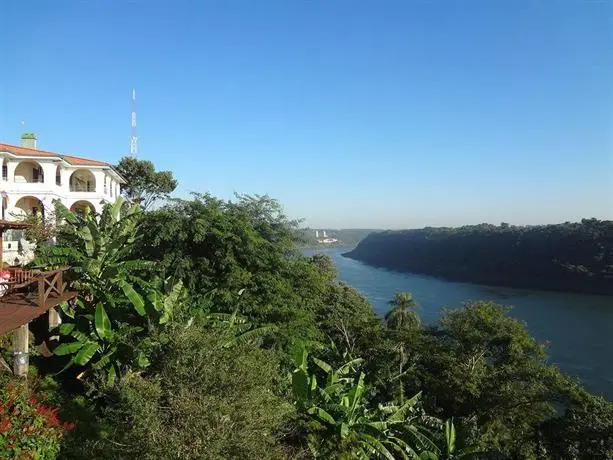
(29, 206)
(29, 172)
(82, 180)
(81, 207)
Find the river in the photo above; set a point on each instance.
(579, 328)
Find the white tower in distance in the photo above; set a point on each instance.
(133, 136)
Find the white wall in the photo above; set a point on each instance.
(47, 192)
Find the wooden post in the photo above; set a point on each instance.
(54, 322)
(41, 291)
(60, 282)
(20, 351)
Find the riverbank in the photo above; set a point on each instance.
(565, 258)
(551, 316)
(492, 281)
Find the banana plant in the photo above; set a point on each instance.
(342, 423)
(111, 344)
(451, 450)
(118, 296)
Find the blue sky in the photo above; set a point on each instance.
(352, 113)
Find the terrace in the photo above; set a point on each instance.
(26, 294)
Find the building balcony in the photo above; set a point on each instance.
(29, 187)
(87, 187)
(37, 180)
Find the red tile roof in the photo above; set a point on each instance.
(25, 151)
(76, 161)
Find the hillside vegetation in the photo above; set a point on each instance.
(567, 257)
(201, 332)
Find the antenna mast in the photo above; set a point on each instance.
(133, 136)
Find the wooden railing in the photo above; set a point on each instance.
(36, 283)
(19, 275)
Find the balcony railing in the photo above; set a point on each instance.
(20, 276)
(82, 188)
(33, 180)
(26, 294)
(48, 283)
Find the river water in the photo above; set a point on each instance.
(578, 328)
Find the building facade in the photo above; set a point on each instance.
(32, 179)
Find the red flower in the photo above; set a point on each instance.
(49, 414)
(5, 425)
(69, 426)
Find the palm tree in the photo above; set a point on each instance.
(402, 316)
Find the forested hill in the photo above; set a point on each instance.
(575, 257)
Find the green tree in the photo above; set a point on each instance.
(485, 370)
(402, 315)
(219, 248)
(324, 264)
(583, 431)
(144, 185)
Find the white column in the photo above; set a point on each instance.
(11, 165)
(49, 175)
(66, 173)
(99, 175)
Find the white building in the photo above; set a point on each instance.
(32, 179)
(328, 240)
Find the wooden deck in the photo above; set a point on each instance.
(29, 294)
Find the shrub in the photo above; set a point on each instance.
(29, 426)
(201, 400)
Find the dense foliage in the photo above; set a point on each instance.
(182, 344)
(219, 248)
(29, 425)
(567, 257)
(201, 400)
